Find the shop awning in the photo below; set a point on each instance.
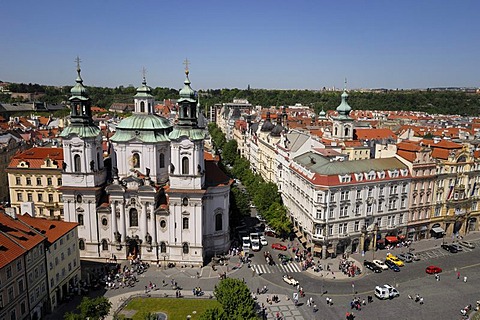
(391, 239)
(331, 250)
(423, 228)
(411, 230)
(380, 241)
(298, 234)
(317, 249)
(438, 230)
(303, 240)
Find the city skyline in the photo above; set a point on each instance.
(267, 45)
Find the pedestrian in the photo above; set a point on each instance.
(465, 279)
(311, 300)
(458, 275)
(308, 302)
(315, 309)
(421, 300)
(146, 290)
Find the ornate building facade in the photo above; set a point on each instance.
(158, 199)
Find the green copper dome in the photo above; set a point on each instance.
(144, 91)
(344, 109)
(187, 93)
(78, 91)
(144, 122)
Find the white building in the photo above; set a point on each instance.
(161, 200)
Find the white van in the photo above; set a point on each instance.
(386, 292)
(246, 244)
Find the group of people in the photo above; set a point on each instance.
(356, 303)
(348, 267)
(197, 291)
(418, 298)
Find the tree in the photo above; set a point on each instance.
(229, 153)
(235, 298)
(215, 313)
(93, 308)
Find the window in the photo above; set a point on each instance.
(344, 195)
(56, 261)
(62, 256)
(381, 191)
(50, 198)
(59, 181)
(404, 188)
(162, 160)
(81, 244)
(163, 224)
(19, 265)
(163, 247)
(80, 219)
(356, 226)
(332, 197)
(142, 106)
(342, 228)
(438, 210)
(403, 202)
(104, 221)
(185, 248)
(400, 219)
(29, 181)
(49, 181)
(77, 165)
(13, 314)
(331, 213)
(218, 222)
(104, 245)
(69, 251)
(185, 201)
(357, 209)
(319, 214)
(40, 197)
(344, 211)
(359, 194)
(18, 180)
(10, 294)
(9, 272)
(29, 197)
(39, 181)
(133, 217)
(185, 223)
(370, 192)
(23, 308)
(330, 230)
(318, 230)
(393, 189)
(136, 160)
(185, 164)
(19, 197)
(369, 208)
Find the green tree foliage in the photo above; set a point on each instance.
(235, 298)
(95, 309)
(239, 202)
(216, 313)
(230, 152)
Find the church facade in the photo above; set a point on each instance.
(154, 196)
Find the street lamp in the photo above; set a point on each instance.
(375, 232)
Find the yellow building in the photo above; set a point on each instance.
(34, 177)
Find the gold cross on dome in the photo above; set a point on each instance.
(186, 63)
(77, 60)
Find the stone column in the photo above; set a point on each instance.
(113, 221)
(143, 222)
(123, 228)
(151, 225)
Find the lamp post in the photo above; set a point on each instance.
(375, 232)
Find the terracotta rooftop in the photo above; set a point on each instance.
(374, 134)
(19, 232)
(9, 250)
(36, 157)
(52, 229)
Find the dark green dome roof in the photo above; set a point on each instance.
(144, 122)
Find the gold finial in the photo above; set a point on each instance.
(144, 74)
(345, 86)
(186, 63)
(77, 60)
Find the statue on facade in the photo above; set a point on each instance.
(148, 238)
(92, 165)
(118, 236)
(64, 166)
(148, 172)
(172, 168)
(115, 172)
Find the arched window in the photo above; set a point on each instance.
(336, 130)
(185, 201)
(162, 160)
(80, 219)
(98, 161)
(185, 248)
(81, 244)
(185, 223)
(136, 160)
(218, 222)
(347, 131)
(163, 247)
(104, 245)
(184, 165)
(142, 106)
(77, 165)
(133, 217)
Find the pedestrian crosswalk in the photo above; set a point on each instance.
(291, 267)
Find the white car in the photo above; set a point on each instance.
(290, 280)
(263, 241)
(380, 264)
(255, 245)
(386, 292)
(467, 244)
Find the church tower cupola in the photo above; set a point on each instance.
(144, 100)
(343, 123)
(80, 104)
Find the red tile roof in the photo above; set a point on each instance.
(52, 229)
(19, 232)
(36, 157)
(9, 250)
(373, 134)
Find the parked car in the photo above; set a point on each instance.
(456, 246)
(380, 264)
(467, 244)
(386, 292)
(413, 256)
(372, 266)
(392, 265)
(263, 241)
(404, 257)
(395, 260)
(279, 246)
(255, 245)
(290, 280)
(433, 269)
(449, 248)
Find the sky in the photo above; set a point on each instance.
(267, 44)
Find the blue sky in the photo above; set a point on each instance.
(232, 44)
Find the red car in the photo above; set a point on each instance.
(433, 269)
(279, 246)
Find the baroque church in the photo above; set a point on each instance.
(156, 196)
